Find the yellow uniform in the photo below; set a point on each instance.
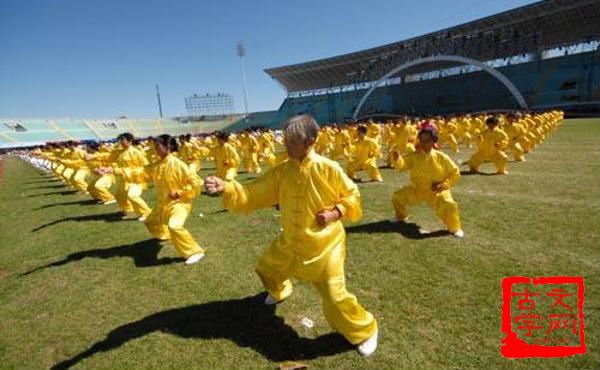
(366, 151)
(227, 161)
(129, 169)
(516, 135)
(425, 170)
(304, 249)
(491, 146)
(100, 184)
(250, 150)
(76, 162)
(168, 217)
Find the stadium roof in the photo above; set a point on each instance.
(531, 28)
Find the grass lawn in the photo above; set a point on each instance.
(81, 288)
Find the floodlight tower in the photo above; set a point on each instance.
(158, 99)
(241, 52)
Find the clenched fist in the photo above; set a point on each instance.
(214, 185)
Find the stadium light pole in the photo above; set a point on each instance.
(158, 99)
(241, 52)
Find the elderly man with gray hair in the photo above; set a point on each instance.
(314, 195)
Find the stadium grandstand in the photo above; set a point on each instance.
(541, 56)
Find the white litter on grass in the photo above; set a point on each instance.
(307, 322)
(201, 214)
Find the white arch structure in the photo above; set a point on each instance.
(445, 58)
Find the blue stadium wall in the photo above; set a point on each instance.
(567, 81)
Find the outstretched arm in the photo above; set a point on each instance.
(261, 193)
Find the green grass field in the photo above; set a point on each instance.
(80, 288)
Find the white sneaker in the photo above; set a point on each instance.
(459, 234)
(110, 201)
(368, 347)
(269, 300)
(142, 219)
(194, 258)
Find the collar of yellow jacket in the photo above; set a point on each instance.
(306, 161)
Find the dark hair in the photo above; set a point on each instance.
(362, 130)
(223, 136)
(167, 141)
(429, 130)
(126, 135)
(93, 146)
(492, 120)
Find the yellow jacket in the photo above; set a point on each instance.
(301, 189)
(366, 150)
(429, 168)
(171, 174)
(130, 165)
(492, 141)
(226, 156)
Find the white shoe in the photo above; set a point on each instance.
(396, 219)
(269, 300)
(368, 347)
(459, 234)
(142, 219)
(110, 201)
(194, 258)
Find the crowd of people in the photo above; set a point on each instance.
(304, 180)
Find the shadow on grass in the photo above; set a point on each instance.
(53, 186)
(247, 322)
(219, 211)
(144, 254)
(79, 202)
(106, 217)
(43, 180)
(408, 230)
(66, 192)
(471, 173)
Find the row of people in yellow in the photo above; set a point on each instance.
(313, 193)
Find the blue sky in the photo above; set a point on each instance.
(101, 59)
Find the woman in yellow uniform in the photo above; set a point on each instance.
(226, 157)
(366, 151)
(314, 195)
(492, 143)
(129, 170)
(432, 174)
(101, 183)
(176, 186)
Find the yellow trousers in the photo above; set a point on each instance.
(78, 179)
(517, 151)
(129, 197)
(341, 309)
(166, 222)
(66, 174)
(442, 203)
(370, 166)
(99, 186)
(499, 158)
(195, 165)
(450, 139)
(251, 163)
(227, 173)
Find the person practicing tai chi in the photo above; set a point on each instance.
(314, 196)
(432, 174)
(492, 143)
(176, 186)
(128, 169)
(366, 151)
